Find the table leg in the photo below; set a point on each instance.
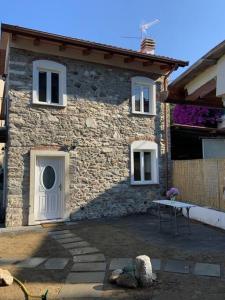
(159, 216)
(171, 216)
(188, 219)
(175, 221)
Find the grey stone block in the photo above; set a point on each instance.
(177, 266)
(56, 263)
(79, 291)
(57, 232)
(206, 269)
(85, 277)
(156, 264)
(120, 263)
(31, 262)
(70, 240)
(89, 258)
(76, 245)
(88, 267)
(62, 236)
(9, 261)
(84, 250)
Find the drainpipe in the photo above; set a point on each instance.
(165, 126)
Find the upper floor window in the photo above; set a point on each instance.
(49, 83)
(144, 162)
(143, 96)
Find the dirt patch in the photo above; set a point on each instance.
(27, 244)
(115, 239)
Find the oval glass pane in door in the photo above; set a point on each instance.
(48, 177)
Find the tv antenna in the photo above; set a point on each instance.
(143, 30)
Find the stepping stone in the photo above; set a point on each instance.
(76, 245)
(56, 263)
(89, 258)
(62, 236)
(205, 269)
(85, 277)
(176, 266)
(58, 232)
(120, 263)
(31, 262)
(79, 291)
(156, 264)
(89, 267)
(9, 261)
(70, 240)
(71, 223)
(85, 250)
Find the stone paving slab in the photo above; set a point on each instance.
(85, 277)
(120, 263)
(84, 250)
(56, 263)
(78, 291)
(76, 245)
(59, 232)
(9, 261)
(31, 262)
(176, 266)
(70, 240)
(88, 267)
(69, 223)
(62, 236)
(205, 269)
(156, 264)
(89, 258)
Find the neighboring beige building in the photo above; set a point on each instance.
(87, 135)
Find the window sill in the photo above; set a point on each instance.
(49, 104)
(144, 183)
(143, 113)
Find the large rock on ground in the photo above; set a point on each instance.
(127, 280)
(5, 278)
(114, 275)
(143, 270)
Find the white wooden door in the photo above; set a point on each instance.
(49, 180)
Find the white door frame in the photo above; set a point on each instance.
(33, 158)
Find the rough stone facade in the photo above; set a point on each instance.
(98, 121)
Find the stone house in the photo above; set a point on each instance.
(86, 131)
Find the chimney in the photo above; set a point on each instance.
(148, 46)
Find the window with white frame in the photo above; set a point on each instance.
(144, 162)
(143, 95)
(49, 83)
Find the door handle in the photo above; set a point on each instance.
(60, 187)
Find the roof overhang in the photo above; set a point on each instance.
(166, 64)
(199, 84)
(207, 60)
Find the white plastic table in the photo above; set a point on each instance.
(173, 205)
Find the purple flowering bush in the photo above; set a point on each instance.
(196, 115)
(172, 192)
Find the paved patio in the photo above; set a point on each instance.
(88, 260)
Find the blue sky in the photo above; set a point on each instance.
(187, 28)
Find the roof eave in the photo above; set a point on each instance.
(207, 60)
(82, 43)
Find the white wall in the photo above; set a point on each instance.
(220, 82)
(201, 79)
(1, 87)
(213, 148)
(207, 215)
(216, 71)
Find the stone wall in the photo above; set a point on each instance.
(98, 121)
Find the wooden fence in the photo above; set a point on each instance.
(200, 181)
